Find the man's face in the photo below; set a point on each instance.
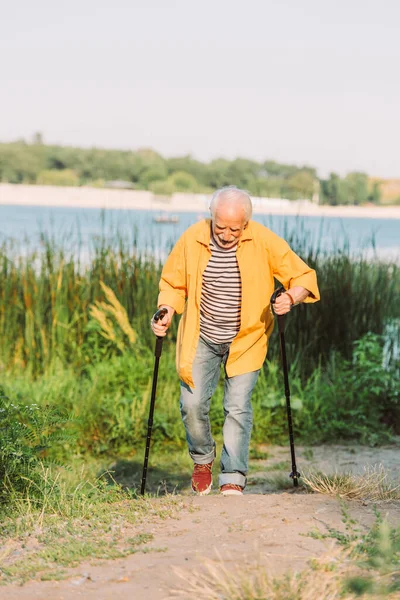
(228, 225)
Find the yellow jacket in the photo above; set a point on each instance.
(261, 255)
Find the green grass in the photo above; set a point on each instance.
(62, 416)
(374, 554)
(41, 540)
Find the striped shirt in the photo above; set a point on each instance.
(221, 295)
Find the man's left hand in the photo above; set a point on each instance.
(284, 302)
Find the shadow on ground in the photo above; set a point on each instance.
(165, 478)
(171, 474)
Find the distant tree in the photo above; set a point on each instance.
(156, 173)
(20, 163)
(176, 182)
(267, 187)
(301, 185)
(270, 168)
(149, 156)
(331, 190)
(27, 163)
(243, 173)
(188, 164)
(217, 173)
(55, 159)
(375, 192)
(357, 188)
(183, 182)
(274, 169)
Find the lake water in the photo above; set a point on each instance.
(80, 226)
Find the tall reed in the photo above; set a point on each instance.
(46, 295)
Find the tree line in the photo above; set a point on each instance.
(145, 169)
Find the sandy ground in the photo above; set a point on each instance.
(263, 522)
(81, 197)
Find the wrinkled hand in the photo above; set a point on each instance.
(283, 304)
(160, 327)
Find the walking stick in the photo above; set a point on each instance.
(281, 328)
(157, 353)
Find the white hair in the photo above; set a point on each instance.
(232, 196)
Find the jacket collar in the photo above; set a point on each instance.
(203, 234)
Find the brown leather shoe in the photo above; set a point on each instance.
(202, 479)
(231, 489)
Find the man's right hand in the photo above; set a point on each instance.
(160, 327)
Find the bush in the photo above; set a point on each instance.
(356, 399)
(162, 188)
(27, 432)
(65, 177)
(183, 182)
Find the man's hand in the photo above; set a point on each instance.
(160, 327)
(285, 301)
(282, 305)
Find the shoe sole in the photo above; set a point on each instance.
(203, 493)
(232, 493)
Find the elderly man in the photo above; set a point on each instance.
(220, 275)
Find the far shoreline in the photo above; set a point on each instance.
(101, 198)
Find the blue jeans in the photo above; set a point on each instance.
(195, 409)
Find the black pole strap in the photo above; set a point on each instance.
(160, 314)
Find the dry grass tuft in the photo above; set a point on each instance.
(252, 582)
(374, 484)
(322, 581)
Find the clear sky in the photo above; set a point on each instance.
(305, 81)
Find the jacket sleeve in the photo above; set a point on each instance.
(291, 270)
(173, 286)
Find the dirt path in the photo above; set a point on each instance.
(238, 529)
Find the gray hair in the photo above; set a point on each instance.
(233, 196)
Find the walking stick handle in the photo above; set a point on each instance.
(160, 314)
(281, 318)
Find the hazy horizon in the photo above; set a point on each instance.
(306, 84)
